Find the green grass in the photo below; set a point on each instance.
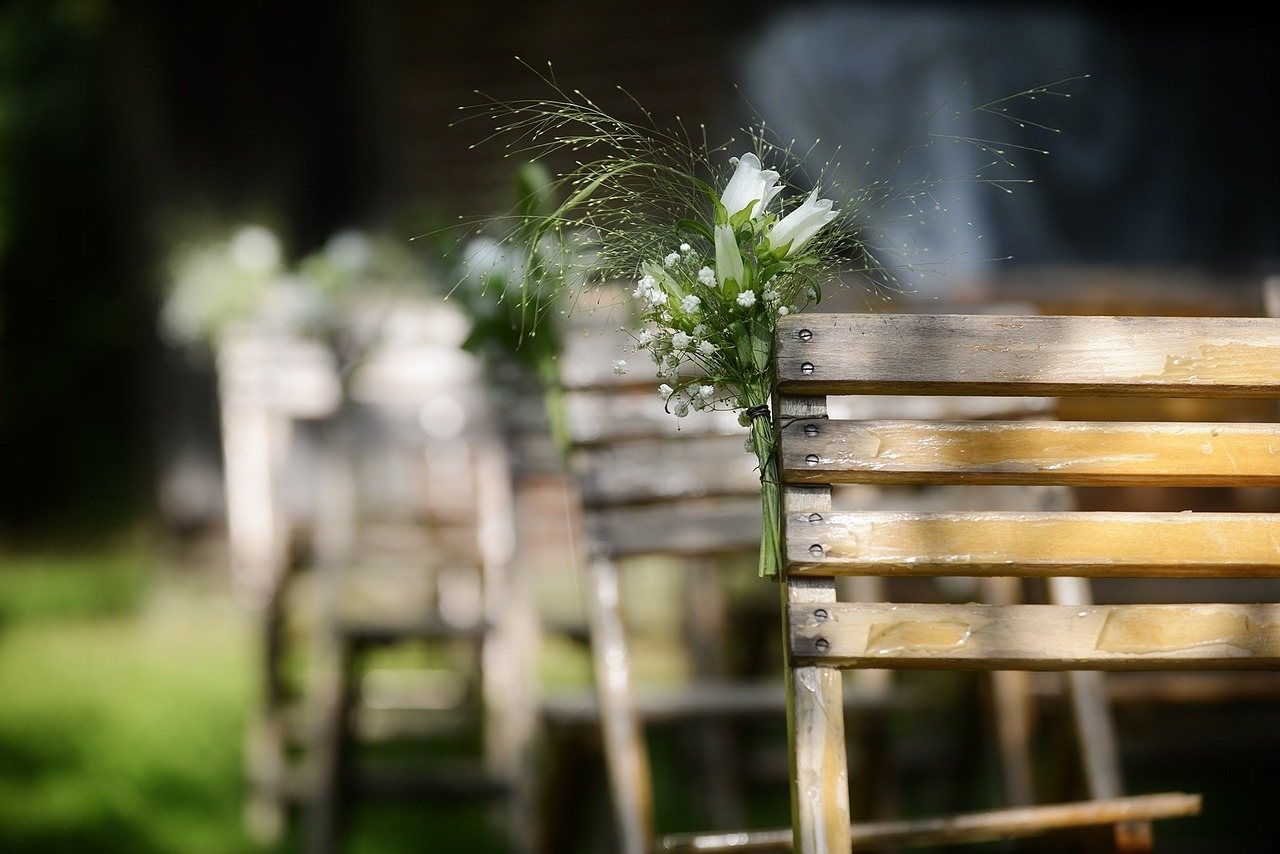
(120, 723)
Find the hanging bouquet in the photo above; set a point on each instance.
(720, 247)
(513, 284)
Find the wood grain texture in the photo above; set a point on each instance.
(1031, 452)
(815, 714)
(975, 354)
(1034, 544)
(1038, 637)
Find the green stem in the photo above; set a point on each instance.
(553, 404)
(764, 443)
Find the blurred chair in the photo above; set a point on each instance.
(415, 546)
(839, 354)
(271, 387)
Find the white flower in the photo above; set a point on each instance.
(686, 248)
(665, 391)
(707, 276)
(681, 408)
(671, 259)
(619, 366)
(783, 311)
(746, 299)
(690, 303)
(728, 257)
(255, 249)
(680, 341)
(349, 251)
(750, 187)
(665, 316)
(771, 296)
(705, 391)
(799, 226)
(706, 348)
(647, 282)
(644, 339)
(700, 331)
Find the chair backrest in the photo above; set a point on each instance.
(819, 355)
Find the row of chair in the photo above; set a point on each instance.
(878, 485)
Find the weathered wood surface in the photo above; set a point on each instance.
(1037, 637)
(991, 826)
(815, 715)
(664, 470)
(1024, 452)
(598, 418)
(1034, 544)
(975, 354)
(871, 407)
(695, 528)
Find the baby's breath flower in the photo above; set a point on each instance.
(644, 339)
(681, 340)
(771, 296)
(746, 299)
(783, 311)
(705, 391)
(647, 282)
(619, 366)
(686, 248)
(707, 276)
(671, 259)
(700, 331)
(665, 316)
(681, 408)
(706, 348)
(691, 303)
(665, 391)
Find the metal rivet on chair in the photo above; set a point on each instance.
(806, 368)
(811, 459)
(822, 644)
(815, 517)
(811, 430)
(804, 335)
(815, 550)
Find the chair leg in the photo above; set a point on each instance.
(333, 755)
(815, 729)
(625, 756)
(705, 620)
(1095, 730)
(1011, 692)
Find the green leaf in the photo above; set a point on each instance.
(694, 227)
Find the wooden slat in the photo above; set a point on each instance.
(990, 826)
(1034, 544)
(598, 418)
(974, 354)
(1037, 637)
(663, 470)
(1044, 452)
(694, 528)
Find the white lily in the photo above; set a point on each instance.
(750, 186)
(799, 226)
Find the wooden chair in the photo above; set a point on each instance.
(419, 411)
(650, 488)
(270, 387)
(820, 354)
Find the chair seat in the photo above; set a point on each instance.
(988, 826)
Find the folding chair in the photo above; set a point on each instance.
(819, 355)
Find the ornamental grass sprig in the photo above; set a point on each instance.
(719, 248)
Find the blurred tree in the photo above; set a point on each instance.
(73, 328)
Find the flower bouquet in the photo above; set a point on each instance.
(511, 285)
(719, 248)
